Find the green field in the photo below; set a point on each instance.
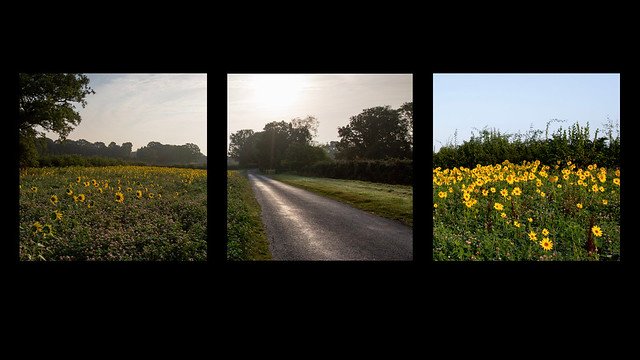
(390, 201)
(528, 211)
(246, 237)
(113, 213)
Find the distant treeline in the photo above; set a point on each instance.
(85, 153)
(493, 147)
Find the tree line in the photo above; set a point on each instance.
(153, 153)
(376, 133)
(48, 101)
(576, 144)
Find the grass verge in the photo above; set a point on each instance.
(246, 237)
(390, 201)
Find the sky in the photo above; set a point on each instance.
(257, 99)
(140, 108)
(512, 102)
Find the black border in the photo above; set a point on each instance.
(420, 55)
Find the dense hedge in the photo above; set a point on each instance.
(383, 171)
(79, 160)
(492, 147)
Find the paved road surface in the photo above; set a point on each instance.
(301, 225)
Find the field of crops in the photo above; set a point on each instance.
(113, 213)
(527, 211)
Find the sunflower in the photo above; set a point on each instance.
(75, 198)
(441, 194)
(86, 183)
(615, 181)
(69, 192)
(151, 196)
(485, 192)
(435, 206)
(516, 223)
(100, 190)
(503, 215)
(90, 204)
(34, 189)
(78, 179)
(595, 188)
(94, 182)
(542, 194)
(605, 202)
(159, 196)
(81, 197)
(504, 192)
(530, 220)
(579, 205)
(119, 197)
(546, 244)
(596, 231)
(53, 199)
(36, 227)
(532, 235)
(129, 189)
(57, 215)
(139, 194)
(545, 232)
(498, 206)
(618, 172)
(46, 230)
(516, 191)
(493, 190)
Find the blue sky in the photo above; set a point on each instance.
(140, 108)
(512, 102)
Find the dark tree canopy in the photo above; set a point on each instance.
(49, 100)
(280, 145)
(241, 145)
(376, 133)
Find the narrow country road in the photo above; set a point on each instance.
(301, 225)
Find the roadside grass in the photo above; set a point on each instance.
(390, 201)
(246, 237)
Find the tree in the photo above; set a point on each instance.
(376, 133)
(125, 150)
(272, 144)
(48, 100)
(240, 147)
(406, 115)
(302, 131)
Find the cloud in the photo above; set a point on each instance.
(169, 108)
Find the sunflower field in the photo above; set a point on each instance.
(526, 211)
(113, 213)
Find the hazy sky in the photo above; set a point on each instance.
(255, 100)
(139, 108)
(512, 102)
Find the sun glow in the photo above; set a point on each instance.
(277, 92)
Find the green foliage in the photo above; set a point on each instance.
(377, 133)
(246, 237)
(299, 155)
(78, 160)
(492, 147)
(27, 151)
(390, 201)
(390, 171)
(156, 153)
(281, 145)
(241, 147)
(48, 100)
